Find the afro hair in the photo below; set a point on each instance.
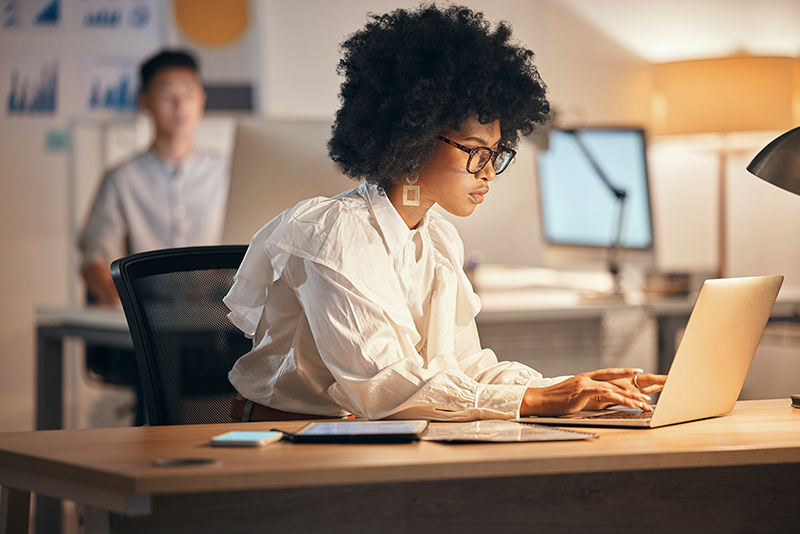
(411, 75)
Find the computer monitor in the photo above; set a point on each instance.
(275, 165)
(577, 208)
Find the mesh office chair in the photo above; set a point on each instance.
(183, 340)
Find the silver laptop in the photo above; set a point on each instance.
(711, 363)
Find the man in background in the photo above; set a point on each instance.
(172, 195)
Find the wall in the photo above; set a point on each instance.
(33, 240)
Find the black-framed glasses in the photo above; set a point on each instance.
(479, 157)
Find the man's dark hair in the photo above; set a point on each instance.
(166, 59)
(410, 75)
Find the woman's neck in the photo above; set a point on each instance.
(411, 215)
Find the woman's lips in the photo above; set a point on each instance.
(477, 196)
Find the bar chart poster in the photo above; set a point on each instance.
(119, 15)
(31, 86)
(110, 84)
(30, 14)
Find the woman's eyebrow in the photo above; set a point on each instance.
(482, 141)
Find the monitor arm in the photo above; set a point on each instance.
(613, 260)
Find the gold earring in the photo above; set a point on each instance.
(411, 192)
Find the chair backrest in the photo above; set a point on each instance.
(183, 340)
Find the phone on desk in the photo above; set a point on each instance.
(246, 438)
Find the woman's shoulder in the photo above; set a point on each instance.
(323, 229)
(322, 210)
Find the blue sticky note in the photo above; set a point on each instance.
(57, 141)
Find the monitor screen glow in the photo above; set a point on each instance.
(577, 208)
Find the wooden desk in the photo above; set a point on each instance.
(730, 474)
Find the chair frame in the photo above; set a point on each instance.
(157, 262)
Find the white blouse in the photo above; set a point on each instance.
(352, 312)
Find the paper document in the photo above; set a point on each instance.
(498, 431)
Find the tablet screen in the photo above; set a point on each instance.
(361, 431)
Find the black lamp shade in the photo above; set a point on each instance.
(779, 162)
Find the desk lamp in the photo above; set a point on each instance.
(779, 162)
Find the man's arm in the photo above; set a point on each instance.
(101, 241)
(101, 285)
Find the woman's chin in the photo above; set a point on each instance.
(460, 211)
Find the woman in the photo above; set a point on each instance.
(359, 304)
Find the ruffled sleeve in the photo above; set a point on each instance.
(261, 267)
(248, 294)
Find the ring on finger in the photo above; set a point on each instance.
(636, 382)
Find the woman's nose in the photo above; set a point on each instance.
(487, 173)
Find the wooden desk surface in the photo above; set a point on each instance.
(119, 460)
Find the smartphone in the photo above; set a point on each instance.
(360, 432)
(246, 438)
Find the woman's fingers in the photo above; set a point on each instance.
(599, 398)
(620, 392)
(607, 375)
(650, 383)
(631, 379)
(648, 380)
(636, 400)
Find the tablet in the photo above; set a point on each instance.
(360, 432)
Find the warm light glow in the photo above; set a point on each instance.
(726, 95)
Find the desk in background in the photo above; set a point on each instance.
(533, 327)
(521, 323)
(104, 326)
(728, 474)
(496, 324)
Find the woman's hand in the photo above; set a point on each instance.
(646, 383)
(593, 391)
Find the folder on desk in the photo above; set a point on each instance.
(499, 431)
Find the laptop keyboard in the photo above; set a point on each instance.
(623, 414)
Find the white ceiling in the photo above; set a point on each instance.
(661, 31)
